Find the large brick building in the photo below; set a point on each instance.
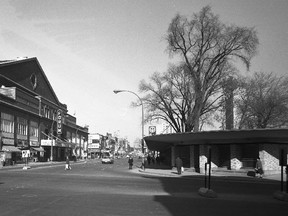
(32, 117)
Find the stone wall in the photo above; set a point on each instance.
(203, 158)
(269, 155)
(235, 161)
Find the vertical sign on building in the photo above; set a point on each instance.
(59, 121)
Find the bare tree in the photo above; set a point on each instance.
(168, 97)
(206, 46)
(262, 101)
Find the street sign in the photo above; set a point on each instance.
(152, 130)
(25, 153)
(59, 121)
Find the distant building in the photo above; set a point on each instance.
(94, 145)
(32, 117)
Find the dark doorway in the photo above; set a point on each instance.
(224, 156)
(196, 158)
(184, 153)
(250, 152)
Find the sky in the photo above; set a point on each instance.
(89, 48)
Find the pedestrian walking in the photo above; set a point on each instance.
(179, 165)
(259, 168)
(67, 165)
(130, 162)
(153, 159)
(158, 160)
(143, 162)
(149, 159)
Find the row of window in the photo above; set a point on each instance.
(7, 125)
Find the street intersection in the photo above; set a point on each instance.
(92, 188)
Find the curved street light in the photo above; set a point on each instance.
(142, 122)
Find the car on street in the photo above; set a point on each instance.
(107, 159)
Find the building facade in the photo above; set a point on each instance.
(229, 149)
(33, 120)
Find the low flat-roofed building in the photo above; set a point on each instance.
(230, 149)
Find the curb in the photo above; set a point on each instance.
(153, 173)
(160, 174)
(283, 196)
(35, 165)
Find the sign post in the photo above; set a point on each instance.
(26, 155)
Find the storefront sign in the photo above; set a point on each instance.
(34, 143)
(8, 141)
(8, 92)
(59, 121)
(47, 142)
(97, 145)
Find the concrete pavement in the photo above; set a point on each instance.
(164, 171)
(209, 193)
(34, 165)
(151, 170)
(158, 171)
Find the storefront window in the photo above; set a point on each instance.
(68, 136)
(34, 131)
(73, 138)
(22, 126)
(7, 123)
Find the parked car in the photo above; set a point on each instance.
(107, 159)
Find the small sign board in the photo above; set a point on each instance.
(152, 130)
(25, 153)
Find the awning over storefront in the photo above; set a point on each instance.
(39, 149)
(10, 149)
(57, 143)
(65, 144)
(93, 150)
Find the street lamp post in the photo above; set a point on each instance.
(51, 135)
(142, 122)
(79, 140)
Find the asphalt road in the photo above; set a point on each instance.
(93, 188)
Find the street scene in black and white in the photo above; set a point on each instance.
(123, 107)
(93, 188)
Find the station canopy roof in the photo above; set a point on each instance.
(256, 136)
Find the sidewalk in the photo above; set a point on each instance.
(38, 164)
(166, 172)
